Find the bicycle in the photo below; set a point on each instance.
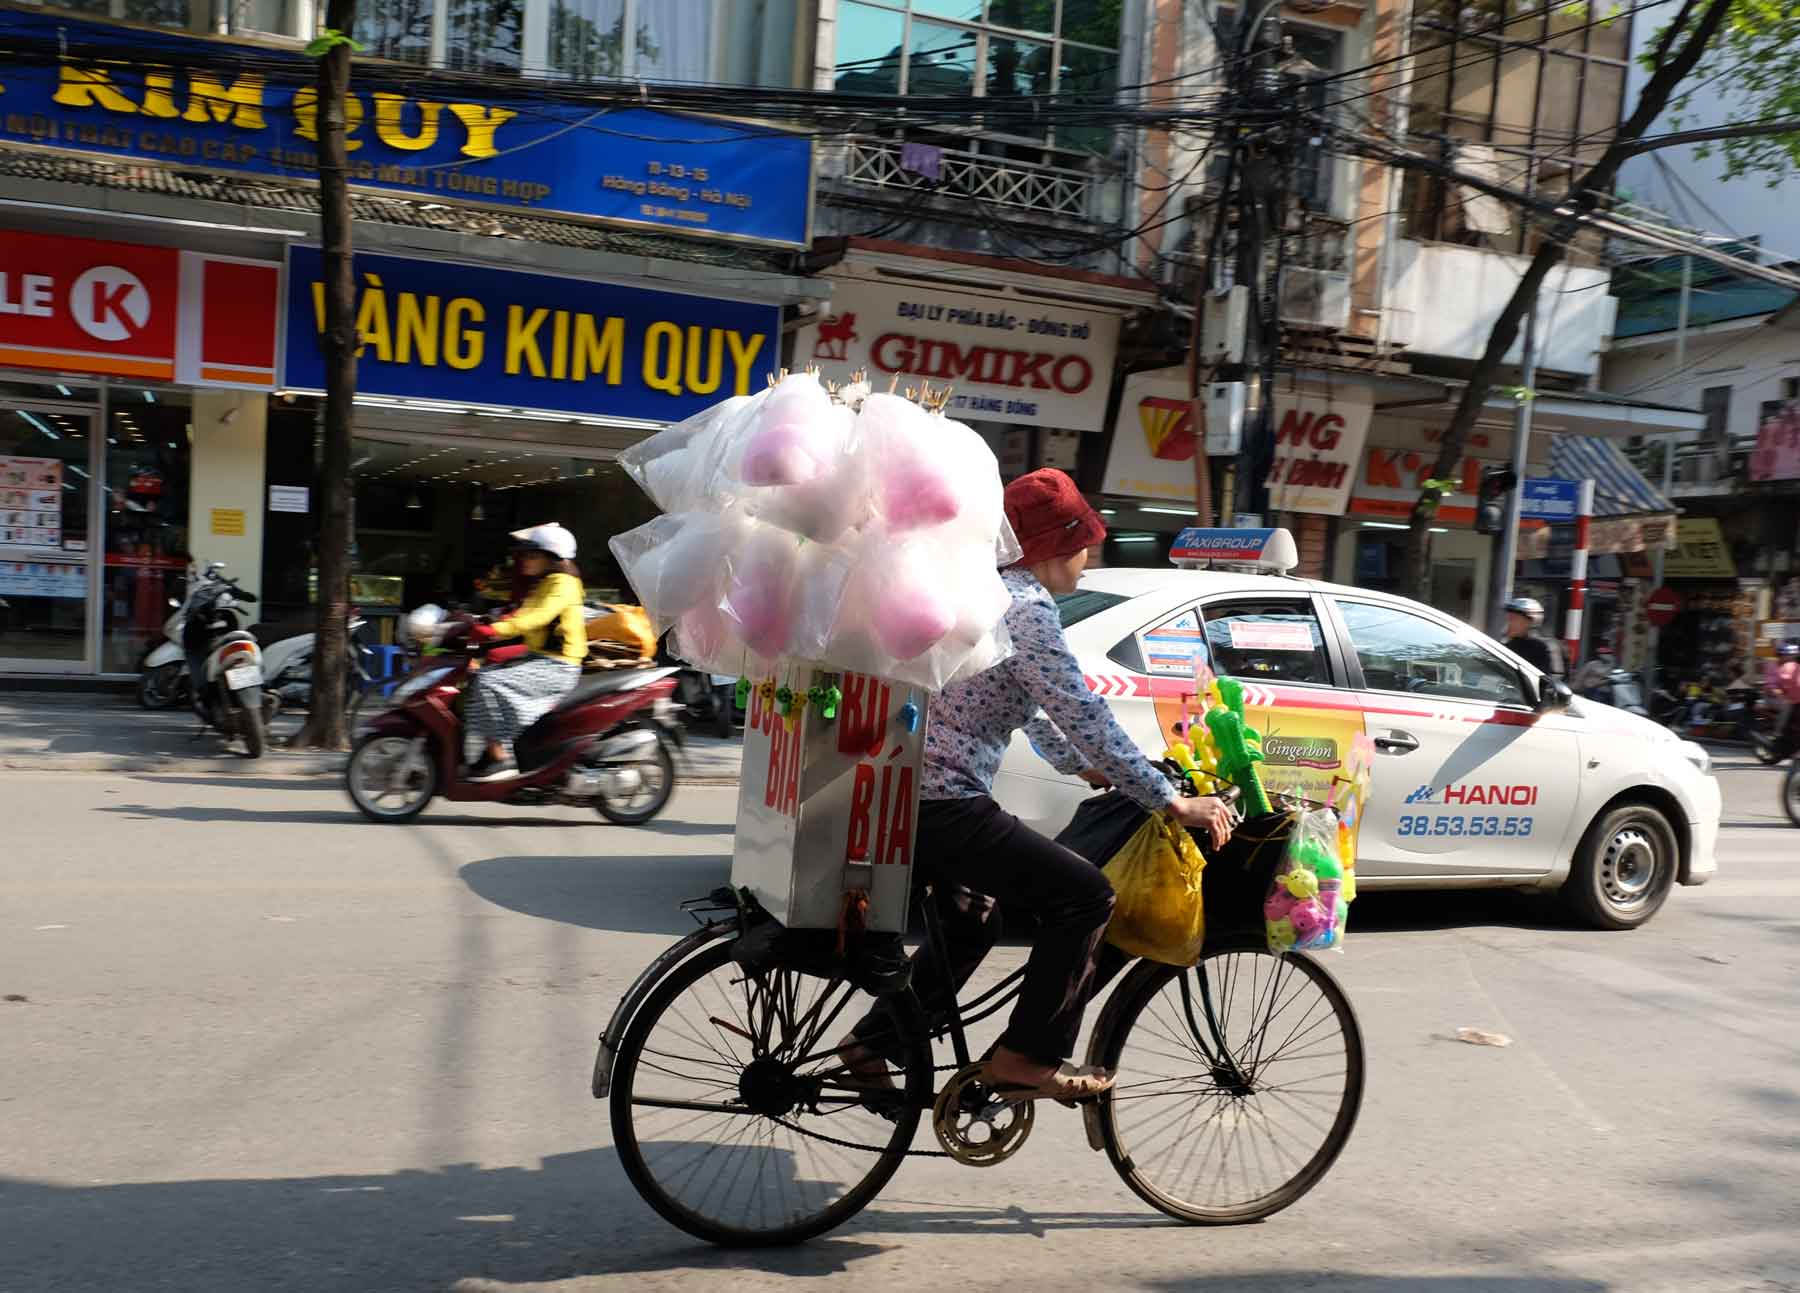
(713, 1061)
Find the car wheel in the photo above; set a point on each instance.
(1625, 869)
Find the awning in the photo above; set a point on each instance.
(1630, 514)
(1619, 488)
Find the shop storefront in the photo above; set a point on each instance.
(491, 399)
(117, 361)
(1026, 352)
(149, 417)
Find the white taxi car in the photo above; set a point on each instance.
(1485, 773)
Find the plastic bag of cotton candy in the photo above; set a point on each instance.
(844, 529)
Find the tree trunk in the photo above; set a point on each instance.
(1584, 195)
(326, 724)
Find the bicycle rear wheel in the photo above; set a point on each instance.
(735, 1119)
(1239, 1083)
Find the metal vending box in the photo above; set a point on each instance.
(830, 806)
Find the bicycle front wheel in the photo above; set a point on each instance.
(734, 1116)
(1239, 1083)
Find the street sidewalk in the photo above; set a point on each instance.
(64, 731)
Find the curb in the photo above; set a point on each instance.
(293, 765)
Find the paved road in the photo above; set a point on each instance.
(266, 1046)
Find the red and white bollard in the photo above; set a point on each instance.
(1584, 515)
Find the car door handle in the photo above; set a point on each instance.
(1397, 743)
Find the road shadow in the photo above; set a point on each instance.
(574, 1216)
(323, 817)
(626, 895)
(1291, 1281)
(1402, 911)
(297, 782)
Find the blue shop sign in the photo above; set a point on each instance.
(469, 334)
(1546, 498)
(208, 108)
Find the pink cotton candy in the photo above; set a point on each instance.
(701, 636)
(786, 453)
(917, 493)
(761, 597)
(910, 619)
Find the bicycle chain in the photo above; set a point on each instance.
(872, 1149)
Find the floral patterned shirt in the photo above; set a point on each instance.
(1040, 688)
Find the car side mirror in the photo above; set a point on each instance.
(1553, 695)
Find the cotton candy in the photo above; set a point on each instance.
(760, 593)
(797, 437)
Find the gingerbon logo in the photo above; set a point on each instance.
(1301, 751)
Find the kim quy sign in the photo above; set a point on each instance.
(474, 334)
(173, 99)
(1030, 363)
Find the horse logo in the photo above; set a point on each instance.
(835, 336)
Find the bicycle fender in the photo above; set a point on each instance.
(639, 989)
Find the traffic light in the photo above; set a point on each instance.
(1490, 504)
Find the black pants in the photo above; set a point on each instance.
(980, 860)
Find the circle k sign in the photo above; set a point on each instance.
(84, 305)
(109, 303)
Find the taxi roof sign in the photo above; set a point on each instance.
(1263, 549)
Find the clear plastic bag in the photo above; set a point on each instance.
(677, 563)
(1308, 905)
(679, 466)
(1158, 911)
(782, 594)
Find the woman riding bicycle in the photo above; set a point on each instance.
(981, 860)
(505, 699)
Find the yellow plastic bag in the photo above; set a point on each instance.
(1158, 913)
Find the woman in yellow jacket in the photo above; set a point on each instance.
(506, 699)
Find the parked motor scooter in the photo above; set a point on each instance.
(287, 664)
(610, 743)
(163, 678)
(287, 658)
(225, 663)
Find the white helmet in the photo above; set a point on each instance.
(1529, 607)
(551, 538)
(421, 625)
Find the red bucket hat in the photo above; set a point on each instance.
(1050, 517)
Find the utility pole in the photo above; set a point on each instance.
(326, 726)
(1506, 555)
(1259, 86)
(1668, 463)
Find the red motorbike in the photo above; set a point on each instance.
(611, 743)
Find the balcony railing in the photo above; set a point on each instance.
(996, 181)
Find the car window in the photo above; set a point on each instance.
(1083, 603)
(1401, 651)
(1268, 641)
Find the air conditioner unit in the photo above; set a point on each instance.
(1315, 298)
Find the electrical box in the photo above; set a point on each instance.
(829, 806)
(1224, 325)
(1224, 419)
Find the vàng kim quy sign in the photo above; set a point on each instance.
(473, 334)
(106, 92)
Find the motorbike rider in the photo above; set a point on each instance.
(1525, 639)
(505, 699)
(980, 859)
(1782, 683)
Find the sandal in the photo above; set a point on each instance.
(867, 1071)
(1068, 1086)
